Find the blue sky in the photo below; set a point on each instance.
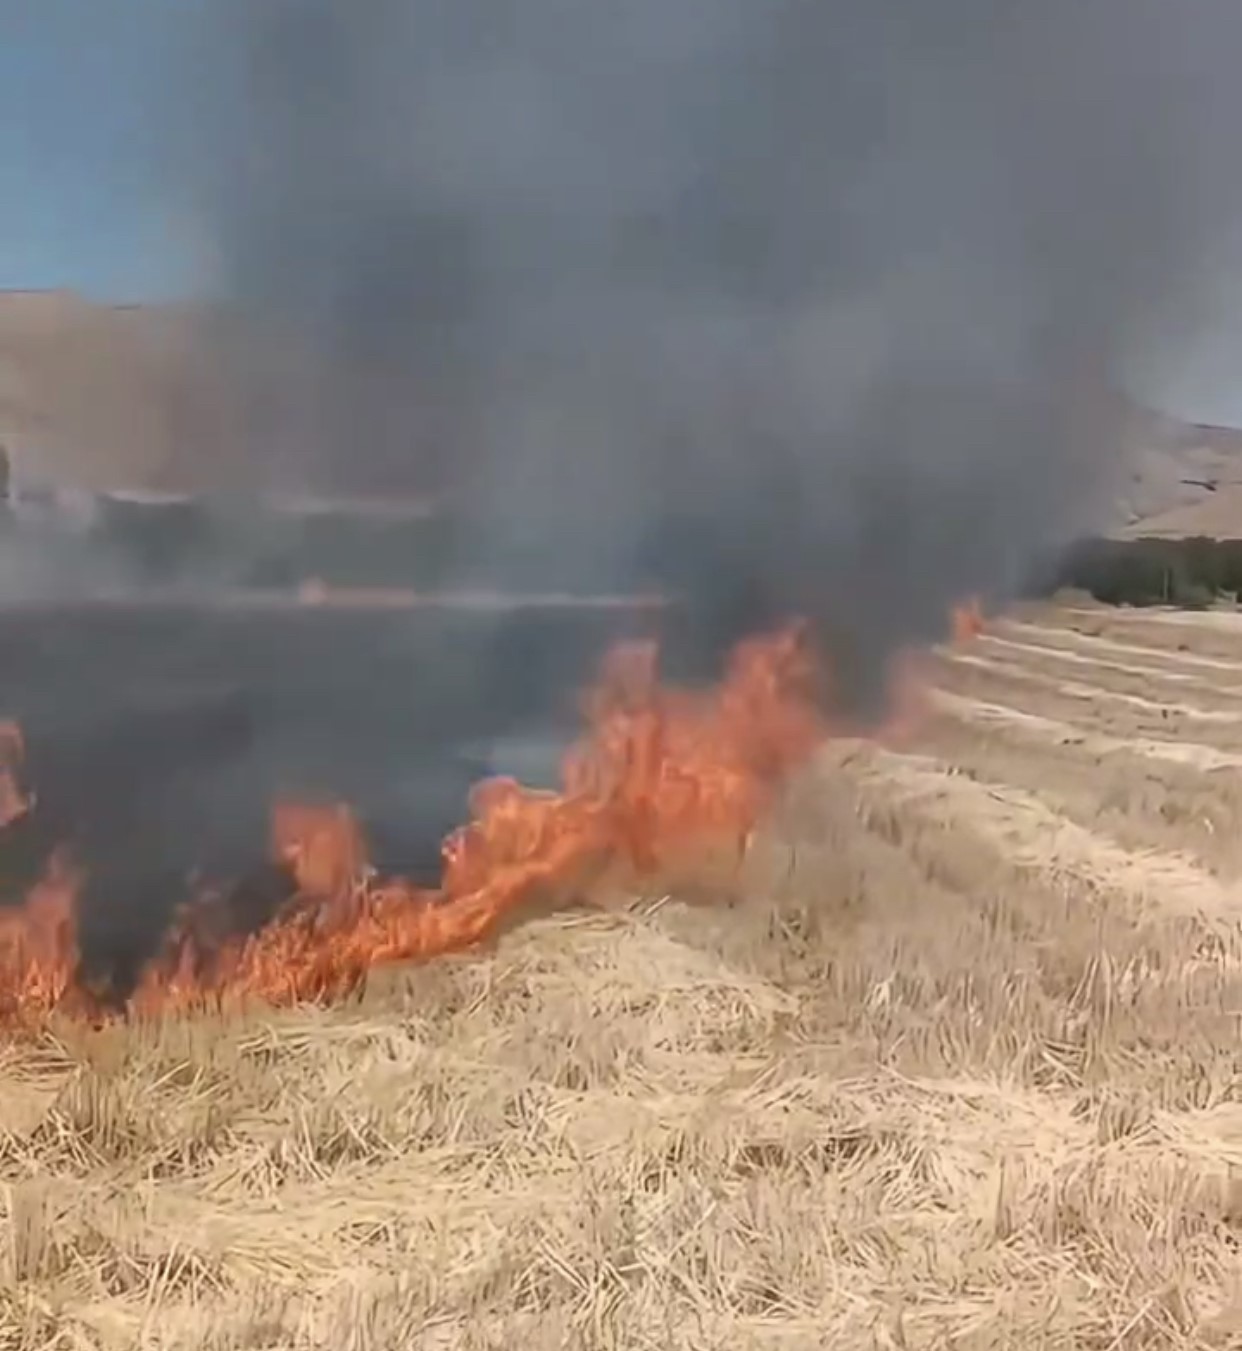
(83, 202)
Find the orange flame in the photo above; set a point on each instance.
(39, 947)
(13, 801)
(967, 620)
(659, 773)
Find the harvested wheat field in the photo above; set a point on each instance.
(954, 1062)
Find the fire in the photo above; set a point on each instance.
(658, 773)
(967, 620)
(38, 946)
(13, 799)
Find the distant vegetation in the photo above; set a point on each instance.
(1192, 573)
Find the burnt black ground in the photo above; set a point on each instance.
(166, 714)
(158, 735)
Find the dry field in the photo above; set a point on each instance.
(959, 1066)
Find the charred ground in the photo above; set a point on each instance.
(200, 682)
(158, 737)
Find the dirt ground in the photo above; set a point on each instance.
(955, 1063)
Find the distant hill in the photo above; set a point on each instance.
(1184, 479)
(104, 396)
(186, 398)
(180, 399)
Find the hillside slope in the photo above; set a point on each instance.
(1184, 479)
(180, 399)
(99, 396)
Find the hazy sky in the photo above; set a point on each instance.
(84, 88)
(1200, 372)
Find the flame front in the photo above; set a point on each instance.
(967, 620)
(658, 774)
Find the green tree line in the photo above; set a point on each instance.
(1191, 573)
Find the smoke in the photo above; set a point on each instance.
(815, 306)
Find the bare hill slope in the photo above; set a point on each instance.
(1185, 479)
(102, 396)
(178, 398)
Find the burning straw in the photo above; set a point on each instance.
(658, 774)
(660, 777)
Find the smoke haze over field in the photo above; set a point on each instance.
(854, 283)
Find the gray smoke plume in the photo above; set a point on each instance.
(816, 306)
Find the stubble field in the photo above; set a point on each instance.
(955, 1062)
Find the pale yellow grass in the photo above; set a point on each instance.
(954, 1061)
(908, 1093)
(1194, 754)
(1074, 690)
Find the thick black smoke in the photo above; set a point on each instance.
(822, 305)
(803, 306)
